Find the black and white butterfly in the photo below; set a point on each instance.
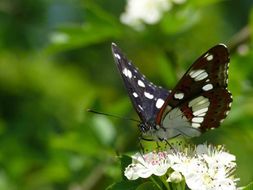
(200, 101)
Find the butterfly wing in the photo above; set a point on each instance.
(146, 97)
(200, 101)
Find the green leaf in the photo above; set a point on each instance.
(71, 37)
(133, 185)
(148, 186)
(104, 129)
(249, 187)
(200, 3)
(98, 27)
(125, 161)
(124, 185)
(251, 23)
(166, 69)
(172, 23)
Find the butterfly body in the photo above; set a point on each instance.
(200, 101)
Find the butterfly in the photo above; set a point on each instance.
(200, 101)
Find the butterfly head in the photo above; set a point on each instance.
(143, 127)
(146, 127)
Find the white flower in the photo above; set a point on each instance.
(210, 168)
(146, 11)
(216, 157)
(175, 177)
(204, 167)
(148, 164)
(138, 12)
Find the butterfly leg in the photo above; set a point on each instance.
(158, 146)
(171, 147)
(169, 144)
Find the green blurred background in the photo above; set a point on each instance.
(55, 62)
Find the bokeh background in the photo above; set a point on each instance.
(55, 62)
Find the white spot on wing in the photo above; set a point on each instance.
(201, 76)
(195, 125)
(197, 100)
(179, 96)
(207, 87)
(200, 106)
(127, 73)
(206, 55)
(198, 75)
(159, 103)
(197, 119)
(124, 71)
(195, 73)
(141, 84)
(199, 103)
(135, 94)
(140, 107)
(209, 57)
(148, 95)
(117, 56)
(200, 112)
(202, 115)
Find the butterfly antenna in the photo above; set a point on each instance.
(110, 115)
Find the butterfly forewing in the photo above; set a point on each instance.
(200, 101)
(146, 97)
(201, 96)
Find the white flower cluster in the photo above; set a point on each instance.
(138, 12)
(204, 167)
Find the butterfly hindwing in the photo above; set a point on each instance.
(146, 97)
(201, 96)
(200, 101)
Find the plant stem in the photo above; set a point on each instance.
(178, 186)
(166, 184)
(156, 183)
